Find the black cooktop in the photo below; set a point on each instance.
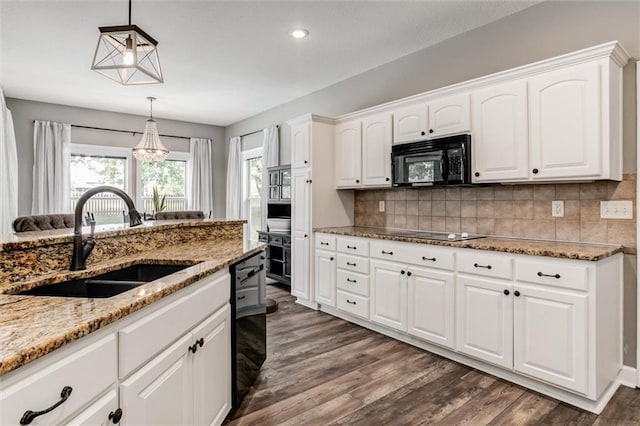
(429, 235)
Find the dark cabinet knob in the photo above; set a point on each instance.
(305, 235)
(402, 272)
(357, 180)
(430, 130)
(535, 171)
(516, 293)
(506, 292)
(477, 174)
(200, 342)
(193, 348)
(331, 258)
(409, 274)
(306, 162)
(115, 416)
(422, 133)
(387, 179)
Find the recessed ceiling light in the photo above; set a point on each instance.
(299, 33)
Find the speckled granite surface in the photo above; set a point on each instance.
(32, 326)
(580, 251)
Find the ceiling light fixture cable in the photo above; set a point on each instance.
(128, 55)
(150, 147)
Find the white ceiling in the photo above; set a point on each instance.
(222, 61)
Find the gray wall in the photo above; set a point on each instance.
(542, 31)
(24, 112)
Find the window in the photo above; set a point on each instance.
(252, 192)
(93, 165)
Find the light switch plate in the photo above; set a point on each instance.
(557, 208)
(381, 206)
(616, 209)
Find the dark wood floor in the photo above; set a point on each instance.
(323, 370)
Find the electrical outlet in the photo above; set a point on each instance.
(381, 206)
(557, 208)
(616, 209)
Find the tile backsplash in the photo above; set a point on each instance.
(505, 210)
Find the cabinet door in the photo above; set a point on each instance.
(551, 336)
(449, 116)
(98, 412)
(376, 150)
(485, 320)
(301, 145)
(410, 124)
(348, 155)
(500, 138)
(300, 279)
(432, 305)
(565, 123)
(325, 267)
(389, 294)
(212, 369)
(300, 201)
(161, 393)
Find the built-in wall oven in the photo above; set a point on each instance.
(443, 161)
(249, 329)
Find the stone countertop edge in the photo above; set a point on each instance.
(28, 240)
(112, 309)
(558, 249)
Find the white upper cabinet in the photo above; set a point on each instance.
(301, 145)
(500, 139)
(376, 153)
(565, 118)
(410, 124)
(348, 154)
(449, 116)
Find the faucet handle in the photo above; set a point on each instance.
(92, 224)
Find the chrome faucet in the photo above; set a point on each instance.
(82, 249)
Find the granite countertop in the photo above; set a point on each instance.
(561, 249)
(32, 326)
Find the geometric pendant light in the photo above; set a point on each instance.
(150, 147)
(127, 55)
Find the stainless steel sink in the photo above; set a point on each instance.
(106, 285)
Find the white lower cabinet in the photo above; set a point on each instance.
(325, 269)
(551, 335)
(431, 303)
(485, 319)
(300, 282)
(389, 294)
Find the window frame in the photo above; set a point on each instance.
(175, 156)
(247, 155)
(108, 151)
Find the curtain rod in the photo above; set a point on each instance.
(257, 131)
(123, 131)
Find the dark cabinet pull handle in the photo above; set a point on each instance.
(351, 281)
(475, 265)
(387, 252)
(409, 274)
(193, 348)
(556, 276)
(350, 302)
(506, 292)
(535, 171)
(477, 174)
(516, 293)
(422, 133)
(430, 130)
(115, 416)
(242, 297)
(200, 342)
(433, 259)
(351, 264)
(352, 247)
(322, 243)
(402, 272)
(30, 416)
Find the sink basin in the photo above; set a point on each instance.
(108, 284)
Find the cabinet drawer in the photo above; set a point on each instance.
(356, 305)
(415, 254)
(42, 389)
(325, 242)
(263, 238)
(143, 339)
(247, 297)
(275, 239)
(353, 263)
(98, 412)
(556, 274)
(488, 265)
(353, 246)
(353, 282)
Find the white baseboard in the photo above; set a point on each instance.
(628, 376)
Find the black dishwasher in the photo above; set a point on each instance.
(249, 330)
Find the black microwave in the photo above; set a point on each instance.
(443, 161)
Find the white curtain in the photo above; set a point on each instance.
(51, 159)
(201, 177)
(270, 158)
(234, 179)
(8, 170)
